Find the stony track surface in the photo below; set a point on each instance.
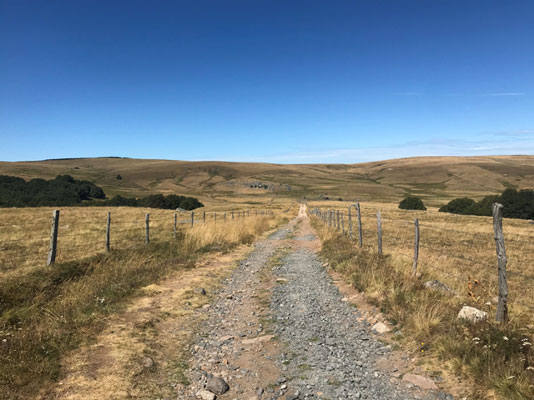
(281, 331)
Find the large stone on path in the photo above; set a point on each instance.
(217, 385)
(472, 314)
(420, 381)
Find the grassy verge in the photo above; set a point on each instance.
(498, 358)
(46, 313)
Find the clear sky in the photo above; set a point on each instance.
(276, 81)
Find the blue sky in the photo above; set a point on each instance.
(275, 81)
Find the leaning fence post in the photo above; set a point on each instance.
(360, 233)
(416, 247)
(350, 223)
(147, 228)
(379, 230)
(174, 227)
(502, 305)
(53, 238)
(108, 229)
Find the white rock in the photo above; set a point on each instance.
(205, 395)
(472, 314)
(380, 327)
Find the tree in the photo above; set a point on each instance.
(412, 203)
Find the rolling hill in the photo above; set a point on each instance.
(436, 179)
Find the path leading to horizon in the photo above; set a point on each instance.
(274, 327)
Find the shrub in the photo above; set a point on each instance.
(412, 203)
(517, 204)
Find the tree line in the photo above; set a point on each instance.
(517, 204)
(64, 190)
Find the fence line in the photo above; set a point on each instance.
(10, 253)
(502, 305)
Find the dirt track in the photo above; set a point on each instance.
(281, 329)
(274, 327)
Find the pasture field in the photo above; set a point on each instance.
(25, 232)
(436, 179)
(47, 311)
(460, 252)
(456, 249)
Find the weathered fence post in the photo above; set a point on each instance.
(214, 217)
(147, 228)
(204, 216)
(192, 218)
(108, 232)
(360, 231)
(53, 238)
(337, 224)
(502, 304)
(342, 223)
(379, 230)
(224, 217)
(174, 227)
(232, 215)
(416, 247)
(350, 224)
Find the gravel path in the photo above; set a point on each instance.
(321, 348)
(328, 349)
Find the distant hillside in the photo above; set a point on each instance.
(436, 179)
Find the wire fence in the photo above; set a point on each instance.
(27, 237)
(458, 250)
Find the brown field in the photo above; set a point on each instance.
(25, 232)
(460, 252)
(436, 179)
(46, 312)
(454, 249)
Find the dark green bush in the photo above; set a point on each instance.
(412, 203)
(64, 190)
(517, 204)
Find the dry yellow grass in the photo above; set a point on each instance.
(455, 249)
(460, 252)
(25, 232)
(47, 311)
(215, 183)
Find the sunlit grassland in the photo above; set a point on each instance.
(460, 252)
(46, 311)
(25, 232)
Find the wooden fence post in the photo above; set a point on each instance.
(360, 231)
(350, 224)
(337, 219)
(232, 214)
(108, 232)
(502, 304)
(342, 223)
(214, 217)
(147, 228)
(379, 230)
(416, 247)
(192, 218)
(174, 227)
(204, 216)
(53, 238)
(224, 217)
